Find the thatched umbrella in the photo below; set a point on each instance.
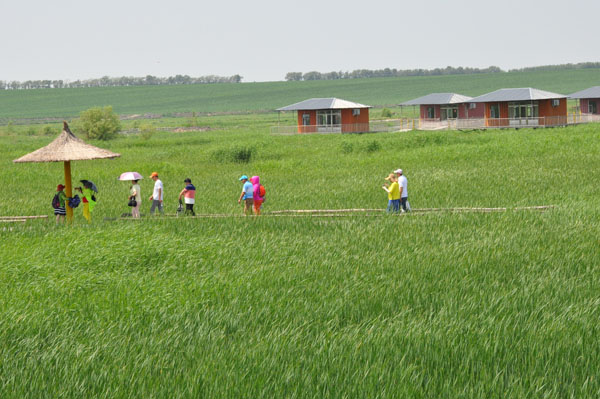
(66, 148)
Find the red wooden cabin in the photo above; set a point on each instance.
(445, 106)
(330, 115)
(589, 100)
(523, 107)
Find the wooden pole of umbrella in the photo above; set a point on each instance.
(68, 190)
(66, 148)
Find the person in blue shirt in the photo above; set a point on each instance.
(247, 195)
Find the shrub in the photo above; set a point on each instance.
(30, 131)
(48, 131)
(373, 146)
(347, 147)
(234, 154)
(100, 123)
(147, 131)
(241, 154)
(386, 113)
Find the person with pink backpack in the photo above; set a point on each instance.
(258, 194)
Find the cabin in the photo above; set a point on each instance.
(522, 107)
(330, 115)
(589, 100)
(444, 106)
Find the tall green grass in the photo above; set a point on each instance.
(421, 306)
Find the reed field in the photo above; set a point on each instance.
(267, 96)
(434, 305)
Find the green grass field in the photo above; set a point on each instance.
(493, 305)
(168, 100)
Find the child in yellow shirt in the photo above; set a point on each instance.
(393, 191)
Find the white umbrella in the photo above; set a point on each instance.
(130, 176)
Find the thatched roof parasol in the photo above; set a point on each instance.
(66, 148)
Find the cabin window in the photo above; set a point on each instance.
(472, 105)
(306, 119)
(521, 110)
(555, 102)
(356, 112)
(494, 111)
(329, 117)
(592, 107)
(430, 113)
(449, 113)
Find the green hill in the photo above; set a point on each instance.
(241, 97)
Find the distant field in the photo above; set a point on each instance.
(168, 100)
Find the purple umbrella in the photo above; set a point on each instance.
(130, 176)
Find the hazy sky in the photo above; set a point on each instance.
(262, 40)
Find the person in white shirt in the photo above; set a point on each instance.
(403, 183)
(157, 195)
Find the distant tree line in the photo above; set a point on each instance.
(391, 72)
(107, 81)
(387, 73)
(559, 67)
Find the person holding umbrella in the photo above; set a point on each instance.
(88, 198)
(134, 191)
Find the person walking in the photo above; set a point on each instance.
(59, 203)
(157, 195)
(189, 194)
(247, 195)
(88, 199)
(256, 197)
(135, 193)
(403, 183)
(393, 193)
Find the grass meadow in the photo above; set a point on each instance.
(444, 305)
(267, 96)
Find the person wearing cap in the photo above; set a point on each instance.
(247, 195)
(61, 211)
(189, 195)
(403, 183)
(157, 194)
(393, 193)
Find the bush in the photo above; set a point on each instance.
(147, 131)
(386, 113)
(100, 123)
(347, 147)
(30, 131)
(48, 131)
(235, 154)
(373, 146)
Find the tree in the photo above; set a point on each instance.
(313, 75)
(293, 76)
(100, 123)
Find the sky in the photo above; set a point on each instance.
(262, 40)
